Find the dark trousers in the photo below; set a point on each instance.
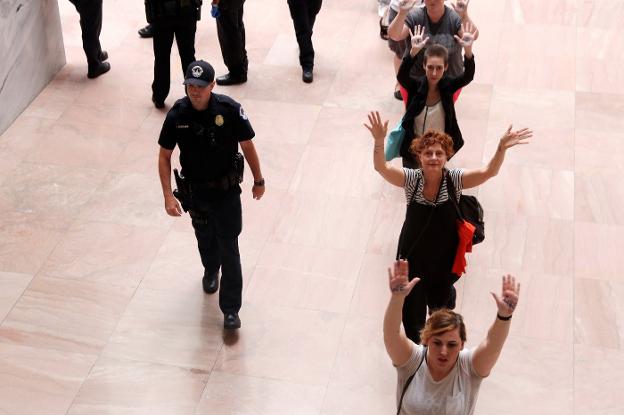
(303, 13)
(217, 227)
(164, 32)
(231, 32)
(91, 25)
(434, 292)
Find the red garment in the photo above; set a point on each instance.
(456, 95)
(465, 231)
(403, 94)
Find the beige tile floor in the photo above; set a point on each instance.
(101, 308)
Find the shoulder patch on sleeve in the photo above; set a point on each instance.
(242, 113)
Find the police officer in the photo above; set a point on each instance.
(169, 19)
(91, 25)
(208, 129)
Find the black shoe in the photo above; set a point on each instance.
(231, 321)
(383, 30)
(103, 55)
(211, 283)
(307, 76)
(159, 104)
(231, 79)
(101, 69)
(397, 95)
(147, 31)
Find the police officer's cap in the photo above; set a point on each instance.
(199, 73)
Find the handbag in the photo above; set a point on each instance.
(468, 210)
(394, 141)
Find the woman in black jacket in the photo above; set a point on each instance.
(430, 98)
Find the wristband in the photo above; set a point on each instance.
(498, 316)
(259, 183)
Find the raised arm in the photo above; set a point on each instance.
(378, 130)
(418, 41)
(475, 177)
(487, 352)
(397, 29)
(461, 8)
(397, 344)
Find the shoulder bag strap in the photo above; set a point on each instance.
(453, 197)
(409, 380)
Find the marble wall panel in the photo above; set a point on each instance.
(31, 53)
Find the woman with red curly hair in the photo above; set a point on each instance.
(429, 237)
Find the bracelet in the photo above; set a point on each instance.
(259, 183)
(498, 316)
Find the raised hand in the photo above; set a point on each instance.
(418, 38)
(377, 128)
(469, 33)
(510, 292)
(398, 280)
(406, 4)
(511, 138)
(461, 7)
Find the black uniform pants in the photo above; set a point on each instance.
(164, 32)
(91, 25)
(231, 32)
(303, 13)
(217, 227)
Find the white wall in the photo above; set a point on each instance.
(31, 52)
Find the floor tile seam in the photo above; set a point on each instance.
(305, 274)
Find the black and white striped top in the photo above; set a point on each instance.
(412, 176)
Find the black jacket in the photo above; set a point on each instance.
(417, 89)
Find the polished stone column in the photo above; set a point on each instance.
(31, 53)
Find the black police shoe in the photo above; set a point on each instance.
(147, 31)
(103, 55)
(397, 95)
(231, 79)
(210, 283)
(157, 103)
(102, 68)
(307, 76)
(231, 321)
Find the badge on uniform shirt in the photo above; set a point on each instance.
(219, 120)
(242, 113)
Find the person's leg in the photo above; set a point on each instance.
(299, 12)
(415, 312)
(163, 40)
(441, 292)
(91, 25)
(185, 39)
(229, 222)
(231, 33)
(204, 226)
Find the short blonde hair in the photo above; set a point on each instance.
(440, 322)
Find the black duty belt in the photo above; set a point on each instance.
(222, 183)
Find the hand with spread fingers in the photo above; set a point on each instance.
(461, 7)
(508, 300)
(418, 39)
(377, 128)
(398, 281)
(468, 36)
(512, 138)
(406, 5)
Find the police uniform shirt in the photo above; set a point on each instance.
(208, 140)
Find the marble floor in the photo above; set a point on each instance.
(101, 307)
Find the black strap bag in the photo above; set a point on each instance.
(470, 210)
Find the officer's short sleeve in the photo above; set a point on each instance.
(167, 137)
(242, 129)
